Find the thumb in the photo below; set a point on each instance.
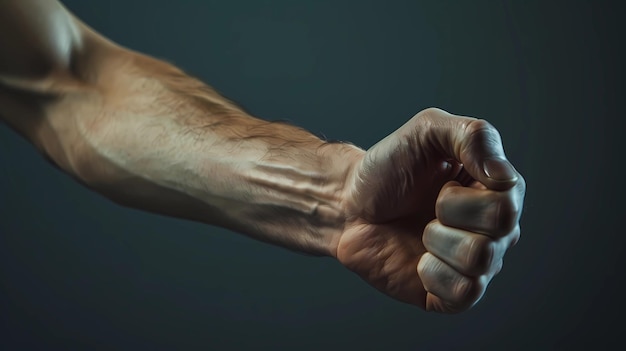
(476, 144)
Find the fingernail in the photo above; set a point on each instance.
(499, 170)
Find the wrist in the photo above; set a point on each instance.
(342, 159)
(293, 198)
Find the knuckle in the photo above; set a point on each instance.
(427, 266)
(499, 266)
(431, 111)
(462, 290)
(515, 236)
(431, 228)
(480, 255)
(427, 118)
(444, 197)
(429, 233)
(481, 132)
(466, 292)
(506, 215)
(480, 126)
(521, 183)
(430, 117)
(520, 188)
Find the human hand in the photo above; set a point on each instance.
(431, 210)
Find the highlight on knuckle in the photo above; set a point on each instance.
(482, 132)
(425, 119)
(443, 198)
(431, 112)
(498, 267)
(480, 254)
(426, 266)
(521, 183)
(430, 232)
(506, 216)
(515, 236)
(467, 292)
(479, 126)
(464, 291)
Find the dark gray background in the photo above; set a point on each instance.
(79, 272)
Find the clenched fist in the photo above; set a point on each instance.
(432, 209)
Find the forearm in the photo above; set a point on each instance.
(174, 146)
(146, 135)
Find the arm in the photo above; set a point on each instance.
(197, 155)
(425, 215)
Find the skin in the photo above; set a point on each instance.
(425, 215)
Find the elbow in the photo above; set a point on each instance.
(43, 48)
